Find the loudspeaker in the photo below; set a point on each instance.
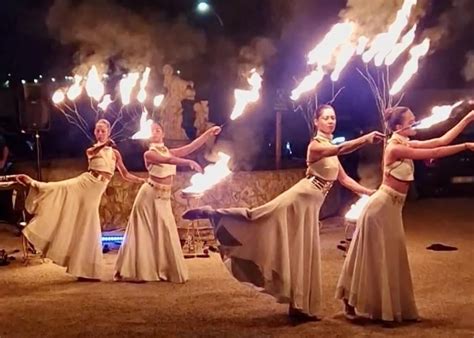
(33, 108)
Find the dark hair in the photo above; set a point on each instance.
(394, 116)
(319, 110)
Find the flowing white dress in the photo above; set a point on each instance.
(151, 250)
(66, 226)
(375, 277)
(275, 247)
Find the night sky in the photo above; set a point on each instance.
(28, 48)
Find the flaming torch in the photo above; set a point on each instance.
(141, 97)
(126, 86)
(58, 97)
(194, 245)
(438, 114)
(94, 87)
(213, 174)
(411, 67)
(106, 101)
(76, 89)
(245, 97)
(145, 127)
(351, 218)
(310, 82)
(356, 209)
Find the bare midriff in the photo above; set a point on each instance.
(396, 184)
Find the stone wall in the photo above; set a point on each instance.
(241, 189)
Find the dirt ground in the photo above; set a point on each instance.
(41, 300)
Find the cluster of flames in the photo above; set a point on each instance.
(136, 82)
(340, 44)
(331, 55)
(95, 89)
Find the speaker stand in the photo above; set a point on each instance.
(38, 155)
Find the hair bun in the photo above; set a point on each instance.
(387, 114)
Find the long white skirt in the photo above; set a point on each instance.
(66, 223)
(151, 250)
(375, 277)
(276, 247)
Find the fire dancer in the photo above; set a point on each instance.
(375, 281)
(66, 224)
(151, 250)
(276, 246)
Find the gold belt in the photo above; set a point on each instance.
(99, 176)
(320, 184)
(162, 191)
(397, 198)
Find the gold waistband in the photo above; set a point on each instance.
(320, 184)
(99, 176)
(397, 197)
(162, 191)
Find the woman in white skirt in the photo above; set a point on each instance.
(151, 250)
(375, 281)
(275, 247)
(66, 224)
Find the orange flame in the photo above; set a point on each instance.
(323, 52)
(141, 97)
(310, 82)
(438, 114)
(58, 96)
(362, 43)
(213, 174)
(399, 48)
(158, 100)
(411, 67)
(344, 56)
(385, 42)
(76, 89)
(244, 97)
(356, 209)
(145, 127)
(126, 86)
(94, 87)
(106, 100)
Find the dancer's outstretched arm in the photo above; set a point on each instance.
(448, 137)
(156, 158)
(196, 144)
(398, 151)
(126, 175)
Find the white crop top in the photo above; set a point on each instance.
(161, 170)
(103, 161)
(403, 169)
(326, 168)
